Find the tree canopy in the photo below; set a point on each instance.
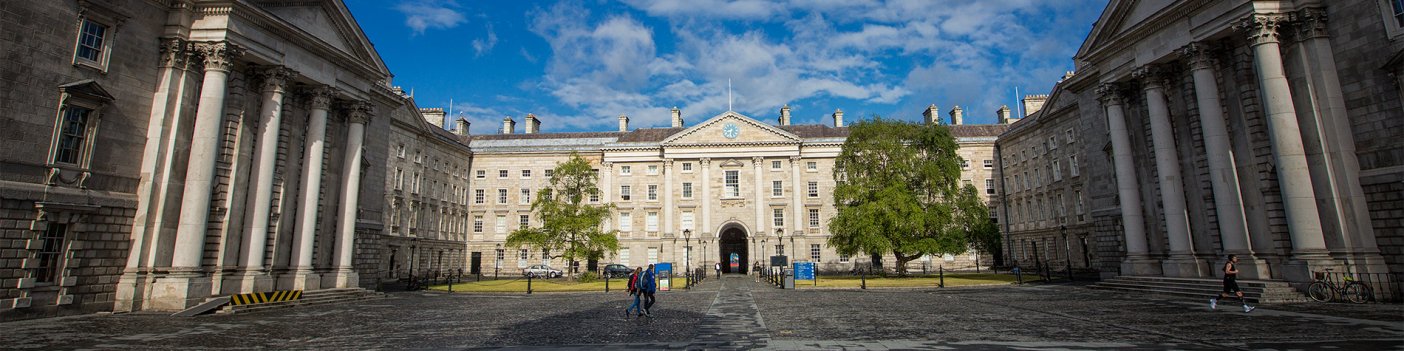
(570, 225)
(899, 191)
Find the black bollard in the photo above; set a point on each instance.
(865, 278)
(528, 284)
(606, 275)
(942, 284)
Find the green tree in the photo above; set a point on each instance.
(899, 191)
(570, 226)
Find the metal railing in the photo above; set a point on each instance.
(1384, 287)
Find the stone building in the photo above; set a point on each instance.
(162, 152)
(426, 197)
(1265, 129)
(728, 185)
(1044, 207)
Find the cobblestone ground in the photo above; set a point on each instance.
(736, 313)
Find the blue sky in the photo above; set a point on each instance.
(577, 65)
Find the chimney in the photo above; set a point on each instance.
(461, 127)
(677, 118)
(785, 115)
(533, 125)
(434, 115)
(932, 114)
(1033, 103)
(1003, 114)
(838, 118)
(956, 115)
(508, 125)
(623, 123)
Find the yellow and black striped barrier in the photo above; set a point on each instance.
(276, 296)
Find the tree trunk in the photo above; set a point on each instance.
(901, 264)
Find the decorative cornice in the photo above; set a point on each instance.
(219, 55)
(320, 98)
(176, 53)
(360, 113)
(1151, 76)
(1309, 23)
(1261, 28)
(1197, 55)
(1110, 94)
(275, 79)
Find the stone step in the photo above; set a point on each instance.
(1260, 291)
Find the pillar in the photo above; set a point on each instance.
(1181, 261)
(706, 200)
(187, 284)
(302, 277)
(356, 119)
(1293, 175)
(797, 196)
(757, 165)
(668, 208)
(253, 276)
(1137, 261)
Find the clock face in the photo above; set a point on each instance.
(731, 131)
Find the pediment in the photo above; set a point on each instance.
(329, 21)
(1119, 17)
(731, 128)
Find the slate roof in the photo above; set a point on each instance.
(810, 131)
(977, 130)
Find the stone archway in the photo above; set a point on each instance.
(733, 241)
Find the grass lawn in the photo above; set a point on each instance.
(959, 279)
(543, 285)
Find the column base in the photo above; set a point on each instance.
(1366, 262)
(1183, 266)
(178, 291)
(1140, 266)
(1300, 267)
(132, 290)
(300, 280)
(341, 278)
(247, 282)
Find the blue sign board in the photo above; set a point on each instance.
(804, 270)
(664, 272)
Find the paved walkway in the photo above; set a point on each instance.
(733, 321)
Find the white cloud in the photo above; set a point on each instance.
(483, 45)
(421, 15)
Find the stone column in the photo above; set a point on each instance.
(756, 165)
(606, 191)
(302, 276)
(706, 201)
(1181, 262)
(1223, 174)
(253, 277)
(668, 208)
(1137, 261)
(356, 120)
(187, 284)
(1293, 176)
(797, 196)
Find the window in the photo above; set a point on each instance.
(1057, 171)
(733, 184)
(522, 257)
(989, 186)
(1072, 163)
(625, 170)
(502, 174)
(71, 146)
(653, 192)
(550, 173)
(400, 151)
(843, 258)
(652, 169)
(501, 254)
(779, 214)
(1016, 181)
(811, 166)
(814, 218)
(526, 197)
(813, 189)
(651, 222)
(478, 196)
(989, 164)
(814, 252)
(777, 188)
(545, 253)
(624, 256)
(526, 173)
(481, 174)
(1062, 206)
(964, 164)
(51, 253)
(775, 165)
(1038, 179)
(652, 255)
(501, 226)
(523, 221)
(687, 167)
(624, 192)
(594, 195)
(1069, 133)
(780, 249)
(966, 183)
(687, 220)
(92, 44)
(501, 196)
(994, 213)
(687, 190)
(399, 179)
(626, 222)
(1052, 142)
(478, 224)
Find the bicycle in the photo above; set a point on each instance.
(1323, 289)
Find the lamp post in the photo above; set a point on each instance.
(1067, 250)
(497, 263)
(792, 241)
(687, 255)
(780, 238)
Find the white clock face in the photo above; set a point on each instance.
(731, 131)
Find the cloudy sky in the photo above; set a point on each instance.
(578, 65)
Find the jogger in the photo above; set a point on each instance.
(1231, 286)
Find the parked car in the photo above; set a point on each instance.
(616, 271)
(541, 271)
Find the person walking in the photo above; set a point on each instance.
(647, 286)
(634, 291)
(1231, 286)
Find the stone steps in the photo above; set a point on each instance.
(314, 297)
(1258, 291)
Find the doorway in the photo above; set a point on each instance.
(733, 247)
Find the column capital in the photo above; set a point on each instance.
(667, 164)
(320, 98)
(704, 161)
(274, 78)
(1198, 55)
(1110, 94)
(795, 158)
(1152, 76)
(219, 55)
(607, 164)
(1261, 28)
(176, 53)
(360, 113)
(1309, 23)
(757, 160)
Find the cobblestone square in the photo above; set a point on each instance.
(737, 313)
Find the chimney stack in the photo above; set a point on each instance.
(623, 123)
(677, 118)
(932, 114)
(461, 126)
(785, 115)
(508, 125)
(533, 125)
(838, 118)
(1003, 114)
(956, 115)
(1033, 103)
(433, 115)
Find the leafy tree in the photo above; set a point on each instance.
(570, 225)
(899, 191)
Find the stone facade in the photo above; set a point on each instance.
(426, 198)
(1045, 212)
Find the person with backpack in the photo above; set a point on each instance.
(634, 291)
(647, 286)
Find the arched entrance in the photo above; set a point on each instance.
(733, 248)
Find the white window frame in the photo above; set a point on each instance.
(651, 221)
(989, 186)
(623, 256)
(652, 255)
(526, 174)
(481, 174)
(813, 189)
(1070, 138)
(1052, 142)
(778, 214)
(989, 164)
(477, 223)
(652, 169)
(523, 221)
(1072, 166)
(777, 188)
(625, 193)
(653, 192)
(687, 167)
(687, 190)
(815, 252)
(688, 220)
(732, 186)
(626, 222)
(502, 196)
(105, 47)
(501, 225)
(775, 165)
(1392, 26)
(525, 197)
(502, 174)
(811, 166)
(94, 106)
(1057, 171)
(814, 218)
(626, 170)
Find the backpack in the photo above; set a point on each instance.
(633, 280)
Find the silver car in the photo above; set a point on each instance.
(541, 271)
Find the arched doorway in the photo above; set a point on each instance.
(733, 249)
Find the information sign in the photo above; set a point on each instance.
(804, 270)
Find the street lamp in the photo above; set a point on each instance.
(687, 255)
(780, 238)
